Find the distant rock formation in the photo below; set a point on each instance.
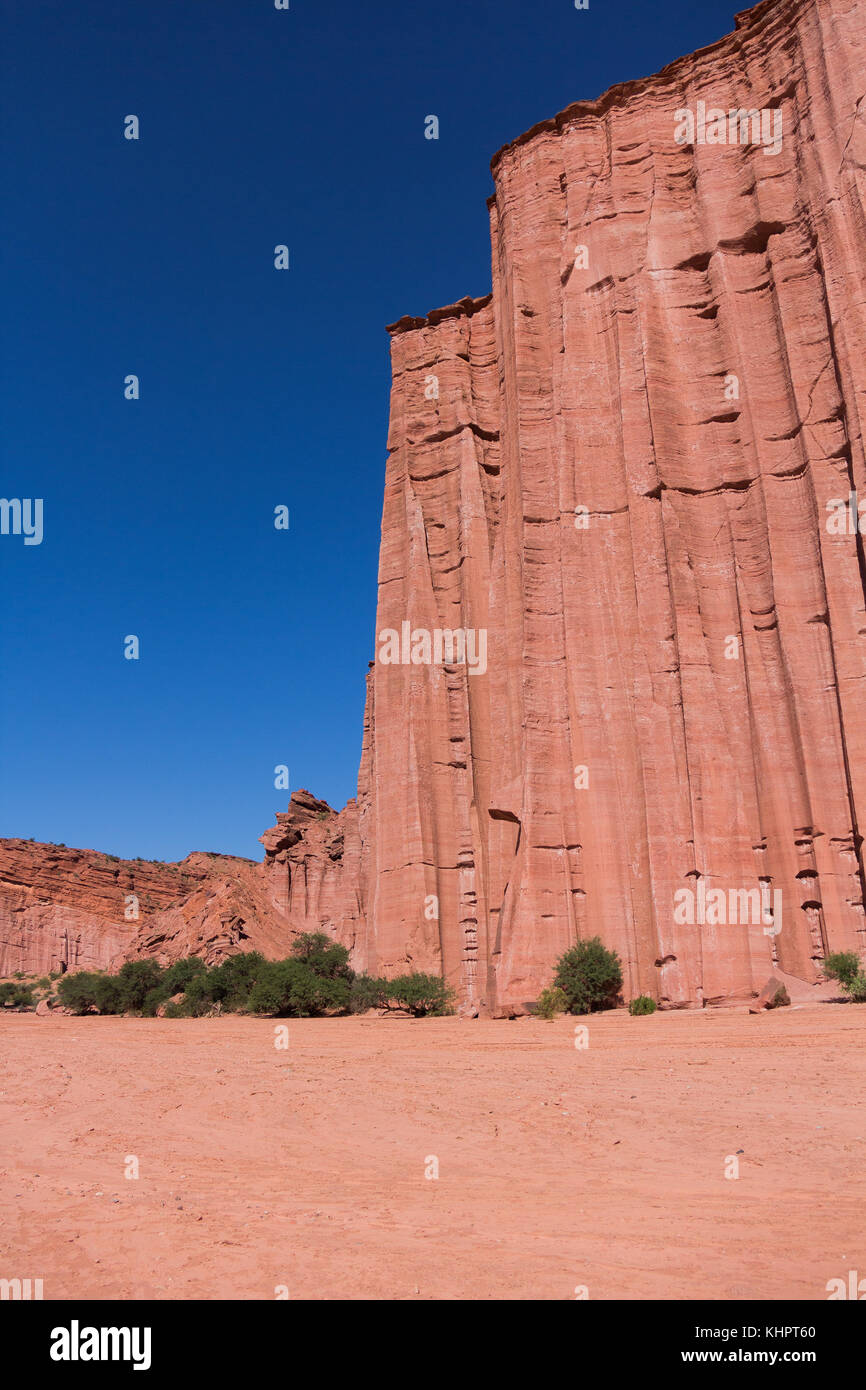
(69, 909)
(621, 637)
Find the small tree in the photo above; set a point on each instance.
(179, 974)
(292, 989)
(845, 966)
(590, 976)
(322, 955)
(421, 994)
(78, 991)
(16, 996)
(134, 981)
(550, 1002)
(368, 992)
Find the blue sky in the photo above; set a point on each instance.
(259, 388)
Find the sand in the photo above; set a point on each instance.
(559, 1169)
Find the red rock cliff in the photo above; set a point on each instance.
(621, 466)
(622, 477)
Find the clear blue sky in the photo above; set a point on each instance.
(258, 387)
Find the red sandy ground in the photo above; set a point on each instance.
(558, 1167)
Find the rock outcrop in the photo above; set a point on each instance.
(623, 466)
(71, 909)
(621, 637)
(65, 909)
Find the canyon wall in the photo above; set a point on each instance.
(625, 474)
(76, 909)
(622, 467)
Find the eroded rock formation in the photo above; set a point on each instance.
(623, 477)
(622, 465)
(70, 909)
(73, 909)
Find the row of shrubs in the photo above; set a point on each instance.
(589, 977)
(316, 979)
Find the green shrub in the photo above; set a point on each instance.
(78, 991)
(177, 976)
(550, 1002)
(230, 982)
(17, 996)
(845, 966)
(316, 979)
(421, 994)
(590, 976)
(858, 988)
(323, 956)
(643, 1004)
(175, 979)
(152, 1001)
(134, 981)
(108, 995)
(368, 992)
(292, 989)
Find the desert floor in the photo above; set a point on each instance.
(559, 1168)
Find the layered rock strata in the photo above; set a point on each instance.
(627, 480)
(625, 466)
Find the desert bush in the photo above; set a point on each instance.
(590, 976)
(16, 996)
(368, 992)
(323, 956)
(78, 991)
(550, 1002)
(291, 989)
(314, 980)
(846, 967)
(108, 995)
(230, 982)
(134, 981)
(421, 994)
(643, 1004)
(178, 975)
(173, 980)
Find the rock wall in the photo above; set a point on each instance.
(65, 909)
(624, 478)
(621, 466)
(76, 909)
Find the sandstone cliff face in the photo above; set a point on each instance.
(617, 476)
(65, 909)
(620, 466)
(71, 909)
